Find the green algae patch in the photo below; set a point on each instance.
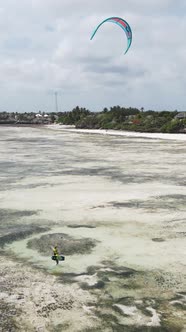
(16, 234)
(66, 244)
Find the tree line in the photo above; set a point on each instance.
(121, 118)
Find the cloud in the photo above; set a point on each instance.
(45, 45)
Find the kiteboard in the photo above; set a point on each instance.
(59, 257)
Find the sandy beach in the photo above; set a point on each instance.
(114, 203)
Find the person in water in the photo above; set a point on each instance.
(56, 254)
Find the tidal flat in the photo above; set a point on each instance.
(115, 205)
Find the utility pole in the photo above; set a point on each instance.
(56, 102)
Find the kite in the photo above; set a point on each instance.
(123, 24)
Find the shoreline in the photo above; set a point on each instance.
(180, 137)
(110, 132)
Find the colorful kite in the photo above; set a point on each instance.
(123, 24)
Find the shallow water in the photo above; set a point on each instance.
(130, 190)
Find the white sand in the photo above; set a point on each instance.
(179, 137)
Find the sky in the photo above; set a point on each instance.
(45, 47)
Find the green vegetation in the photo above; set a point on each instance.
(71, 118)
(117, 117)
(131, 119)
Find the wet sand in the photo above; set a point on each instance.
(115, 206)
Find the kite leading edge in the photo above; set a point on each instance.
(123, 24)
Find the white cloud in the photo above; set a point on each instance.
(45, 45)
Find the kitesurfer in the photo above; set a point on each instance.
(56, 254)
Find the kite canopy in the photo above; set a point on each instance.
(123, 24)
